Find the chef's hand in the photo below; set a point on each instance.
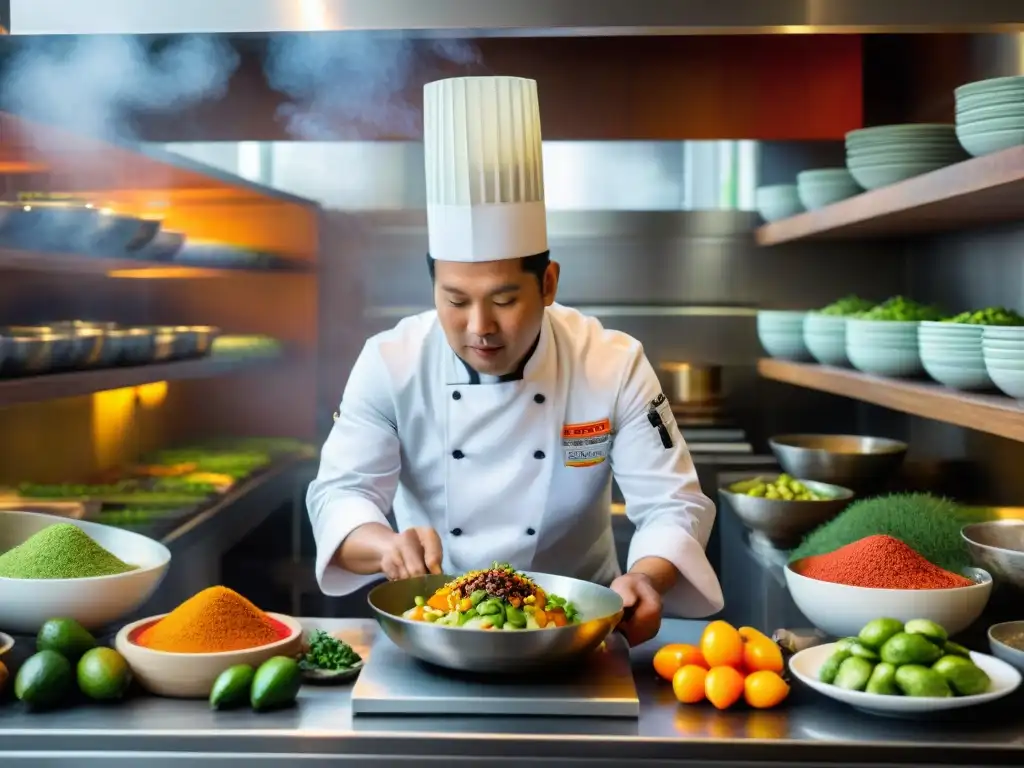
(414, 552)
(642, 604)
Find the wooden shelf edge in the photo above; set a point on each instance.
(993, 414)
(890, 210)
(54, 386)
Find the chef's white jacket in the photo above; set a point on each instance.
(517, 471)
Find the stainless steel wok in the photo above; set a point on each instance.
(479, 650)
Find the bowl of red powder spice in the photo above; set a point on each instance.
(181, 654)
(881, 576)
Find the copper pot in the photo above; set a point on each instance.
(694, 383)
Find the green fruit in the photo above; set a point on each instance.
(904, 648)
(934, 632)
(854, 674)
(964, 676)
(954, 649)
(103, 674)
(845, 644)
(276, 684)
(875, 633)
(44, 680)
(920, 682)
(859, 649)
(883, 680)
(829, 670)
(65, 636)
(232, 687)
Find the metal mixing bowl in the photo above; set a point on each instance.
(782, 522)
(862, 464)
(998, 547)
(480, 650)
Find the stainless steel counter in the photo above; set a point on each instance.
(321, 729)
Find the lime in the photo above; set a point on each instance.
(103, 674)
(65, 636)
(905, 648)
(276, 684)
(232, 686)
(930, 629)
(964, 676)
(883, 680)
(919, 681)
(875, 633)
(44, 680)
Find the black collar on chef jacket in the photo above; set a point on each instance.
(516, 375)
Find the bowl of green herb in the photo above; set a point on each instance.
(52, 566)
(326, 658)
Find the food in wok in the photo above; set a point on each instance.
(496, 598)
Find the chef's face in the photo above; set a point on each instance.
(491, 311)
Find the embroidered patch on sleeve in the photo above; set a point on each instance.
(584, 445)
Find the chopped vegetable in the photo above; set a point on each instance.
(988, 316)
(328, 653)
(847, 306)
(900, 309)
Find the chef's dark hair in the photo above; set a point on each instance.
(535, 265)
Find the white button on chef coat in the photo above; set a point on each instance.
(495, 466)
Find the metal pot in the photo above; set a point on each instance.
(694, 383)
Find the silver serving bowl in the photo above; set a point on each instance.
(1007, 642)
(998, 547)
(782, 522)
(480, 650)
(862, 464)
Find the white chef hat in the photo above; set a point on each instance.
(485, 174)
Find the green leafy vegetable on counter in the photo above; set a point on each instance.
(988, 316)
(236, 465)
(328, 653)
(901, 309)
(929, 524)
(847, 306)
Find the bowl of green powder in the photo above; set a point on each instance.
(52, 567)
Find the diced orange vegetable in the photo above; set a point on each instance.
(417, 613)
(557, 617)
(541, 618)
(440, 602)
(517, 602)
(465, 604)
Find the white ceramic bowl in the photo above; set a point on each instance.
(999, 634)
(806, 665)
(192, 675)
(903, 361)
(827, 348)
(1011, 333)
(1008, 379)
(842, 610)
(26, 604)
(965, 377)
(777, 202)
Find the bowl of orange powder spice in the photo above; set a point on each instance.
(181, 654)
(841, 591)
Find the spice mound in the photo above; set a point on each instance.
(61, 551)
(212, 621)
(879, 562)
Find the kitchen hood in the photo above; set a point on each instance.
(508, 18)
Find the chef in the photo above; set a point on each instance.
(493, 425)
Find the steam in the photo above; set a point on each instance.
(96, 84)
(342, 86)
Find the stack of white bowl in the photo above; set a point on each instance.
(825, 337)
(951, 354)
(1003, 349)
(781, 333)
(990, 114)
(883, 347)
(887, 154)
(824, 186)
(777, 201)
